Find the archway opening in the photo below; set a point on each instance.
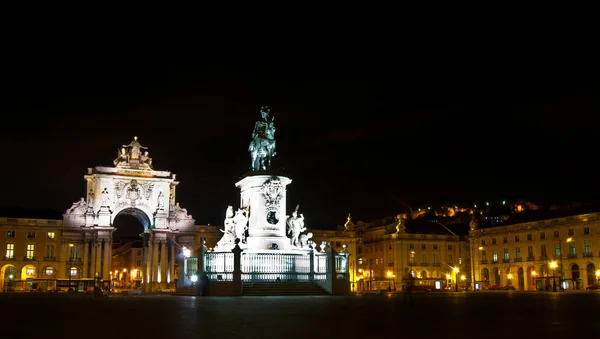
(575, 276)
(521, 278)
(129, 224)
(8, 274)
(497, 281)
(591, 274)
(28, 272)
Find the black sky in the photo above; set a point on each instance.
(351, 134)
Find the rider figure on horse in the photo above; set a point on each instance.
(263, 141)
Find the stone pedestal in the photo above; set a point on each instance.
(160, 219)
(265, 197)
(104, 216)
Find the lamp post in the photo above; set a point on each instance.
(553, 266)
(389, 274)
(455, 269)
(533, 274)
(562, 271)
(70, 263)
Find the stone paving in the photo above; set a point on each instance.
(432, 315)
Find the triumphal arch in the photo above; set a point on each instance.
(132, 187)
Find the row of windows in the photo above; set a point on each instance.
(587, 251)
(556, 233)
(30, 251)
(30, 235)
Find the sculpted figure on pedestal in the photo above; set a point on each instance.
(262, 146)
(122, 157)
(228, 238)
(79, 207)
(105, 198)
(295, 225)
(134, 149)
(145, 159)
(241, 224)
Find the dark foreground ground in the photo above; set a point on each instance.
(462, 315)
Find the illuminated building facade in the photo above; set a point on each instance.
(547, 250)
(35, 254)
(398, 254)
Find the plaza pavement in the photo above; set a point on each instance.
(431, 315)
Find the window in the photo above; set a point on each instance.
(423, 246)
(449, 247)
(516, 238)
(529, 237)
(587, 248)
(411, 258)
(505, 240)
(390, 258)
(483, 242)
(10, 234)
(543, 250)
(571, 232)
(530, 252)
(359, 250)
(586, 230)
(494, 255)
(556, 234)
(518, 253)
(49, 252)
(423, 258)
(435, 246)
(49, 271)
(493, 241)
(557, 250)
(483, 255)
(73, 271)
(30, 251)
(572, 251)
(10, 251)
(460, 260)
(542, 235)
(390, 247)
(30, 271)
(506, 258)
(50, 235)
(450, 261)
(138, 263)
(30, 235)
(436, 259)
(411, 246)
(360, 261)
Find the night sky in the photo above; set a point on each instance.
(355, 136)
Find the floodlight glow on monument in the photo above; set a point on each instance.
(274, 245)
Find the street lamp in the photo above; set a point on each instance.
(70, 263)
(553, 266)
(455, 269)
(389, 274)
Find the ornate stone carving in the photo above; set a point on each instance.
(262, 146)
(133, 192)
(79, 207)
(272, 192)
(180, 213)
(148, 187)
(119, 186)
